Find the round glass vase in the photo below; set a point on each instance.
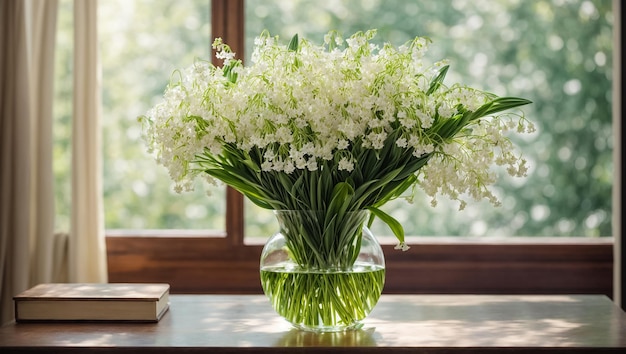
(321, 272)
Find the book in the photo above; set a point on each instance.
(140, 302)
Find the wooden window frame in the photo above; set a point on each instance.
(192, 264)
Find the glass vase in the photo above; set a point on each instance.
(323, 273)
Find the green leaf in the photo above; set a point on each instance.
(293, 44)
(393, 224)
(396, 192)
(374, 186)
(252, 191)
(498, 105)
(340, 200)
(438, 81)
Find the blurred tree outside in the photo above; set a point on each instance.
(557, 53)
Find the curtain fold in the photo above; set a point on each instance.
(27, 194)
(15, 155)
(41, 21)
(87, 252)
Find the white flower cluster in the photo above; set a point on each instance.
(319, 104)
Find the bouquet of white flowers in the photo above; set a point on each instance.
(335, 128)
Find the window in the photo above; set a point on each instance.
(189, 264)
(558, 54)
(141, 43)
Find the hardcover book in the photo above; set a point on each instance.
(92, 302)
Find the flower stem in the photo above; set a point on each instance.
(321, 301)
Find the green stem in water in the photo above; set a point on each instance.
(324, 300)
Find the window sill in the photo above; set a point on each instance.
(192, 263)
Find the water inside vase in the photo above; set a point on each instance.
(323, 300)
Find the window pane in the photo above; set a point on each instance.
(556, 53)
(142, 42)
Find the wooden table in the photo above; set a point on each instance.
(399, 323)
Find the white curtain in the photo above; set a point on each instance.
(41, 23)
(87, 248)
(30, 252)
(15, 154)
(27, 198)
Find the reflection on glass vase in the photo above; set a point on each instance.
(323, 273)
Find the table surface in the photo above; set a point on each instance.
(399, 323)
